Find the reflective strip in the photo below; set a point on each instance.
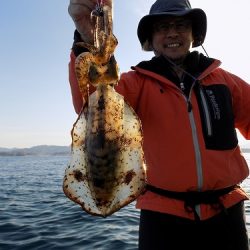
(196, 146)
(206, 112)
(197, 150)
(197, 156)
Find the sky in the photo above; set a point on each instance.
(35, 42)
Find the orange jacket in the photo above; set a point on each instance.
(181, 145)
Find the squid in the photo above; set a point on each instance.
(106, 170)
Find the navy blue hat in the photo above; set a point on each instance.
(178, 8)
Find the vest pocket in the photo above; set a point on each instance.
(215, 106)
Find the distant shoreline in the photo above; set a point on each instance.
(41, 150)
(245, 150)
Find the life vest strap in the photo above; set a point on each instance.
(194, 198)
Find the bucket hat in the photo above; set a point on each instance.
(178, 8)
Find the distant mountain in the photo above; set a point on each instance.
(37, 150)
(245, 150)
(49, 150)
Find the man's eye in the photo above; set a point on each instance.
(163, 26)
(180, 25)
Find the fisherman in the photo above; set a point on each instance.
(189, 108)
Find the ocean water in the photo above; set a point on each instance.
(35, 214)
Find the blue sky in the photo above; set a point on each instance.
(36, 37)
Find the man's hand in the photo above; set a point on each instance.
(80, 11)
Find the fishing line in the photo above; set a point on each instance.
(204, 50)
(179, 67)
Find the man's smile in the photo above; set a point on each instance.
(172, 45)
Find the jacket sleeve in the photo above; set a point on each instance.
(130, 86)
(241, 103)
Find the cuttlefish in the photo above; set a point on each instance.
(106, 170)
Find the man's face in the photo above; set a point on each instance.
(172, 37)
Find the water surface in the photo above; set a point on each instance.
(35, 214)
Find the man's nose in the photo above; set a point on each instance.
(172, 31)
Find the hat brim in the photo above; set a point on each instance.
(197, 16)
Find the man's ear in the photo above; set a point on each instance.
(147, 46)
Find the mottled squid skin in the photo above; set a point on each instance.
(106, 170)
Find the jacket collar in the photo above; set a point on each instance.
(196, 64)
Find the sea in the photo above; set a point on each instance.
(35, 213)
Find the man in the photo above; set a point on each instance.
(189, 109)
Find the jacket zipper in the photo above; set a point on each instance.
(197, 156)
(196, 145)
(206, 113)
